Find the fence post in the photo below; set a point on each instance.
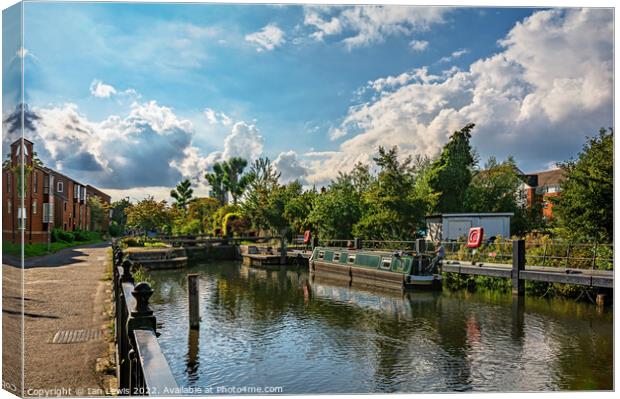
(518, 264)
(123, 339)
(140, 318)
(194, 305)
(420, 245)
(357, 243)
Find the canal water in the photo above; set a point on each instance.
(282, 329)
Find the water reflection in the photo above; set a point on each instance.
(282, 328)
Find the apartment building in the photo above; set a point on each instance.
(51, 199)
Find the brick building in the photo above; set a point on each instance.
(541, 187)
(51, 199)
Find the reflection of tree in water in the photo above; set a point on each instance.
(408, 341)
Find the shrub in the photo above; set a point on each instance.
(59, 235)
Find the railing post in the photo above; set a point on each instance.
(123, 339)
(518, 264)
(140, 318)
(357, 243)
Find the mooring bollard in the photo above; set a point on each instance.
(194, 305)
(518, 265)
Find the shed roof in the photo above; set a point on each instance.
(452, 215)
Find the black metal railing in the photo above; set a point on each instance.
(141, 366)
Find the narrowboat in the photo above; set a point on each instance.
(405, 270)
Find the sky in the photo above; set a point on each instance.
(133, 98)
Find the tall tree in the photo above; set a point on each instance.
(97, 213)
(216, 181)
(264, 179)
(182, 194)
(584, 208)
(451, 174)
(391, 209)
(235, 181)
(336, 209)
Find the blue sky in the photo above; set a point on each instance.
(167, 89)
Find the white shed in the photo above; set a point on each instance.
(455, 226)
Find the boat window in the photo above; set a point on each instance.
(351, 258)
(321, 254)
(386, 263)
(336, 256)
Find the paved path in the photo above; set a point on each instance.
(63, 291)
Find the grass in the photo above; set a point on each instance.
(31, 250)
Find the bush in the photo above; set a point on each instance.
(132, 242)
(115, 230)
(59, 235)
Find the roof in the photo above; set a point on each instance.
(488, 214)
(550, 177)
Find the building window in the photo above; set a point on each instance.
(65, 206)
(60, 187)
(21, 218)
(8, 182)
(34, 208)
(35, 182)
(9, 206)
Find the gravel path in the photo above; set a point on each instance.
(66, 295)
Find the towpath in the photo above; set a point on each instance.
(65, 323)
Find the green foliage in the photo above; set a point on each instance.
(182, 194)
(216, 181)
(118, 214)
(140, 275)
(450, 174)
(97, 213)
(59, 235)
(496, 189)
(391, 208)
(585, 208)
(264, 180)
(335, 211)
(150, 215)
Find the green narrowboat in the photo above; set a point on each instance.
(399, 269)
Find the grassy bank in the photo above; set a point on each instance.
(31, 250)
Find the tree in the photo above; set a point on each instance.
(118, 220)
(336, 210)
(391, 208)
(264, 179)
(450, 174)
(234, 180)
(149, 215)
(584, 208)
(216, 181)
(496, 189)
(202, 210)
(182, 194)
(97, 213)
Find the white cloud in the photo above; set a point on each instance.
(162, 119)
(455, 54)
(418, 45)
(100, 89)
(243, 141)
(268, 38)
(537, 99)
(365, 25)
(290, 167)
(215, 118)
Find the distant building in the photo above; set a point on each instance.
(52, 200)
(540, 187)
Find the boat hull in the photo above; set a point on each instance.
(372, 277)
